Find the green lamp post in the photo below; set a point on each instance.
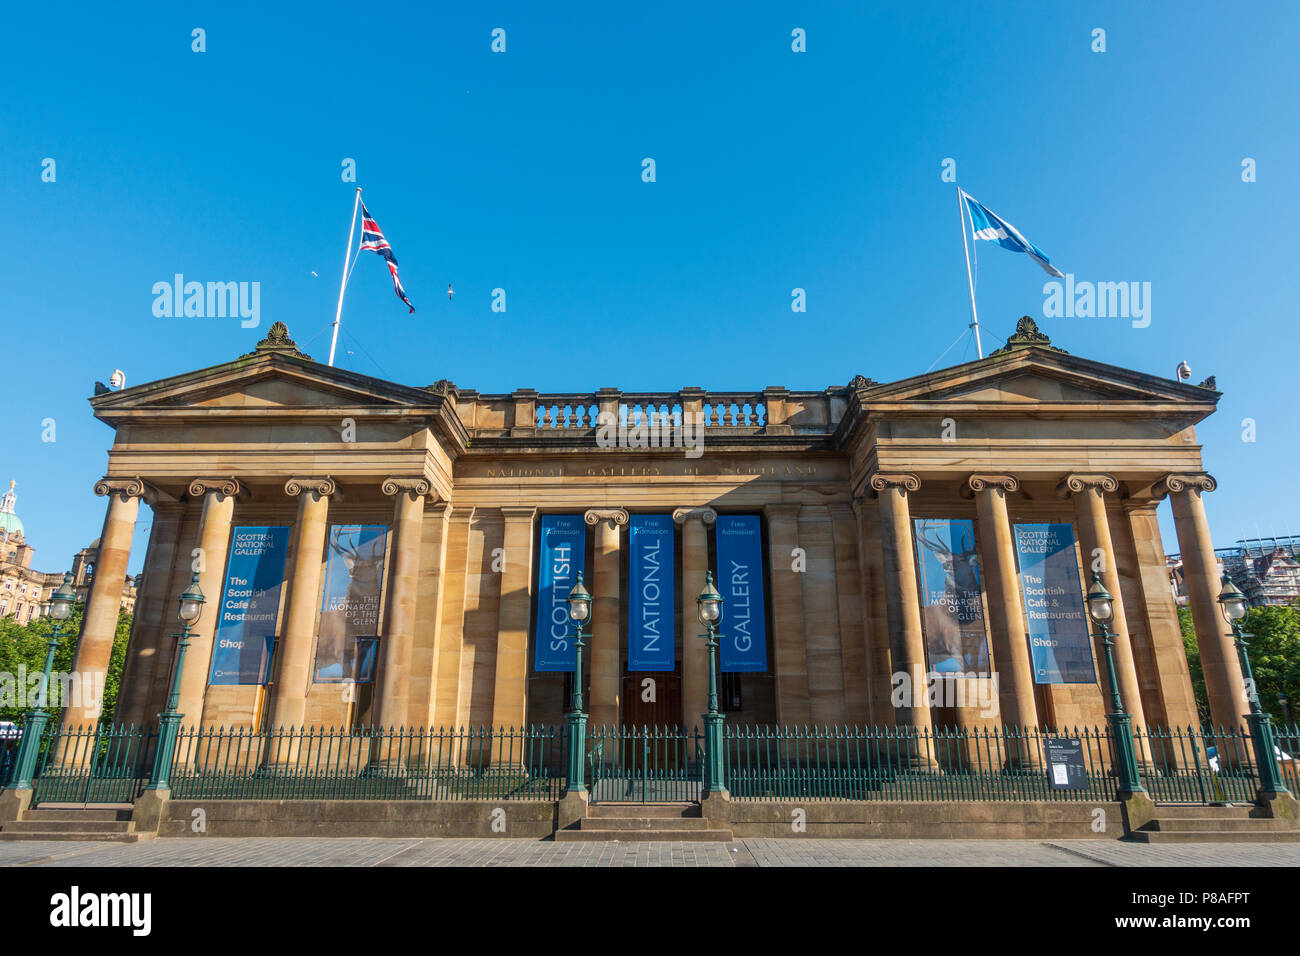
(169, 721)
(709, 609)
(34, 729)
(1233, 605)
(579, 613)
(1101, 608)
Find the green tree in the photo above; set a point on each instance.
(22, 657)
(1273, 642)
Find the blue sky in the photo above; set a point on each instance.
(522, 170)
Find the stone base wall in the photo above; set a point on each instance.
(538, 820)
(359, 818)
(923, 821)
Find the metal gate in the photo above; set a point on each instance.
(645, 764)
(100, 764)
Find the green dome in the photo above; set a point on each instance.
(9, 523)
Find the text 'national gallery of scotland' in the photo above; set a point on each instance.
(892, 559)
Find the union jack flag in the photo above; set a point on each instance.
(373, 239)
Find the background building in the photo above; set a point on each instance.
(25, 592)
(1265, 569)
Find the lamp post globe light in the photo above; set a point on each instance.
(579, 613)
(190, 606)
(34, 729)
(1233, 605)
(1101, 608)
(709, 609)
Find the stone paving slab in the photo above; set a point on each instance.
(1116, 853)
(364, 851)
(22, 851)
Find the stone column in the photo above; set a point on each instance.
(606, 663)
(293, 678)
(1089, 494)
(902, 597)
(403, 582)
(1006, 613)
(823, 651)
(510, 691)
(154, 619)
(695, 523)
(875, 613)
(218, 496)
(788, 639)
(99, 627)
(1224, 684)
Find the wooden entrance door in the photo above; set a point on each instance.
(666, 708)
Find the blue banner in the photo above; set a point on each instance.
(1060, 644)
(561, 559)
(952, 610)
(250, 603)
(740, 582)
(348, 641)
(652, 612)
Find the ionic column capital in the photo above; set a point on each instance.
(1201, 481)
(229, 487)
(323, 487)
(1075, 483)
(977, 483)
(707, 515)
(903, 479)
(416, 487)
(122, 488)
(615, 517)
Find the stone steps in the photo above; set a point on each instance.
(587, 835)
(1226, 824)
(1216, 836)
(64, 824)
(644, 823)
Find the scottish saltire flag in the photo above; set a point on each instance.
(987, 224)
(373, 239)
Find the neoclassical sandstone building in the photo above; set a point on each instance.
(383, 553)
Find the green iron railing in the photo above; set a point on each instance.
(401, 763)
(111, 763)
(906, 764)
(645, 764)
(1210, 765)
(97, 763)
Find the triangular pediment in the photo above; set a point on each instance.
(1034, 376)
(266, 382)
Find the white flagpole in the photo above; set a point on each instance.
(974, 316)
(343, 283)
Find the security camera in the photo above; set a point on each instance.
(1184, 372)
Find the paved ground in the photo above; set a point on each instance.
(359, 851)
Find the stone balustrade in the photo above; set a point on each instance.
(772, 410)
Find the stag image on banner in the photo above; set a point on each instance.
(250, 603)
(653, 606)
(952, 610)
(563, 557)
(1060, 645)
(743, 635)
(349, 613)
